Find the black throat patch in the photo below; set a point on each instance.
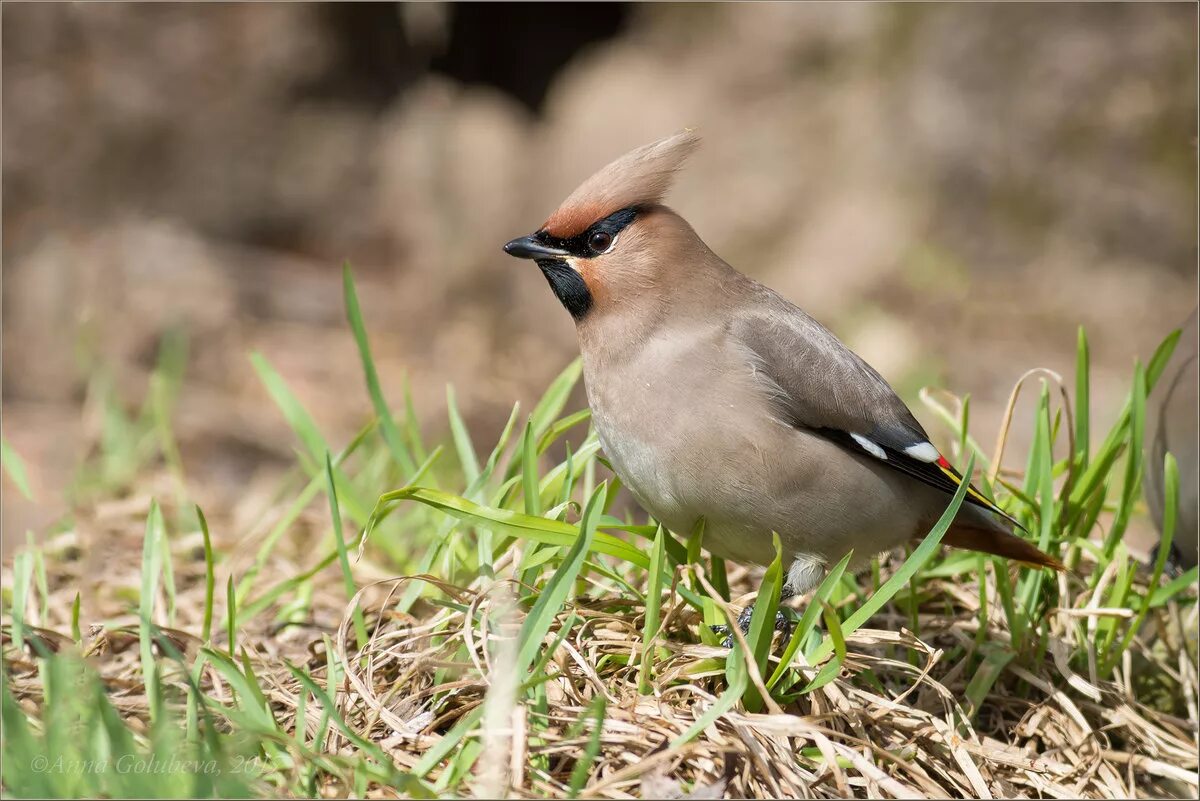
(568, 285)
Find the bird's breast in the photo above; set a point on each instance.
(672, 418)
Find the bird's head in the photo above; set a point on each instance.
(605, 239)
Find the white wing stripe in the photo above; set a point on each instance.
(923, 451)
(870, 447)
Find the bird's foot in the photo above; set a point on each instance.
(783, 623)
(1173, 567)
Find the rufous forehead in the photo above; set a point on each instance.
(567, 222)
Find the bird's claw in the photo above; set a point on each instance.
(782, 623)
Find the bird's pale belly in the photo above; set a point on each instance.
(676, 500)
(746, 479)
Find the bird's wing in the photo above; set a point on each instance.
(815, 382)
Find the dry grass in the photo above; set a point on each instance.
(504, 642)
(1042, 730)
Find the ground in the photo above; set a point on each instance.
(511, 636)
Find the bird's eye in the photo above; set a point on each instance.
(600, 241)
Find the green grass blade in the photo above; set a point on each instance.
(1170, 514)
(360, 628)
(720, 580)
(1166, 592)
(725, 702)
(462, 439)
(14, 466)
(564, 496)
(984, 678)
(231, 613)
(980, 561)
(412, 425)
(829, 671)
(567, 473)
(210, 578)
(387, 424)
(382, 511)
(538, 673)
(1118, 436)
(76, 631)
(297, 507)
(802, 630)
(555, 398)
(654, 588)
(529, 476)
(712, 614)
(762, 623)
(557, 590)
(406, 782)
(515, 524)
(964, 427)
(250, 698)
(1041, 488)
(1014, 614)
(22, 581)
(489, 467)
(164, 389)
(1133, 465)
(737, 678)
(253, 683)
(21, 748)
(39, 576)
(1162, 354)
(168, 573)
(1082, 401)
(560, 427)
(279, 589)
(583, 766)
(297, 416)
(152, 557)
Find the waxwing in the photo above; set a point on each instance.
(715, 397)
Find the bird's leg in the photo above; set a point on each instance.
(804, 575)
(782, 622)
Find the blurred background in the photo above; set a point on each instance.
(953, 188)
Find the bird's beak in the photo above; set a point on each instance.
(528, 247)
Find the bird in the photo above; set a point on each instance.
(715, 398)
(1171, 427)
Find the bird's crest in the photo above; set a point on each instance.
(639, 178)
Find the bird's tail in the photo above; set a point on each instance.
(994, 540)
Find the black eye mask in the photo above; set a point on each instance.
(579, 246)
